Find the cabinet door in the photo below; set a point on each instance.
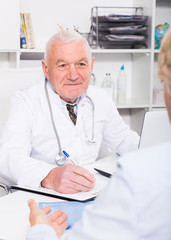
(9, 24)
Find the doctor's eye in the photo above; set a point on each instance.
(62, 66)
(82, 64)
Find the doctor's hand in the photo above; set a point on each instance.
(56, 220)
(69, 179)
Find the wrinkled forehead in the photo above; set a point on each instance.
(79, 49)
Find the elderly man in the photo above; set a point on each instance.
(61, 120)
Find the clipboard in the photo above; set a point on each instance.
(81, 196)
(104, 164)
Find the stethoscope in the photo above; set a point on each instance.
(61, 158)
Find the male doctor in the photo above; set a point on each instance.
(61, 113)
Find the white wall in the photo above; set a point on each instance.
(12, 81)
(68, 13)
(9, 16)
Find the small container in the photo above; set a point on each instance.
(121, 86)
(108, 84)
(93, 79)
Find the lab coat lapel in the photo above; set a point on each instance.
(82, 108)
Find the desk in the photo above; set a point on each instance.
(14, 210)
(14, 214)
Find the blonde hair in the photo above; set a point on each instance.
(164, 61)
(65, 36)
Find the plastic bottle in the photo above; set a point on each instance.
(108, 84)
(121, 86)
(93, 79)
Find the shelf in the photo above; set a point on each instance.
(15, 70)
(133, 103)
(38, 53)
(159, 106)
(99, 51)
(35, 50)
(132, 106)
(156, 50)
(94, 51)
(9, 50)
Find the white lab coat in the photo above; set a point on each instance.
(135, 205)
(28, 145)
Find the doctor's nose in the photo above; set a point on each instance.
(72, 73)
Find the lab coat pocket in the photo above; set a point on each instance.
(93, 128)
(98, 126)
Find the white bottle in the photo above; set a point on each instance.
(93, 79)
(121, 86)
(108, 84)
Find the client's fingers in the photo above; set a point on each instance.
(61, 229)
(64, 225)
(59, 216)
(47, 210)
(32, 205)
(62, 218)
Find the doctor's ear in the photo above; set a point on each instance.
(45, 69)
(92, 63)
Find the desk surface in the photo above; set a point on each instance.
(14, 210)
(14, 214)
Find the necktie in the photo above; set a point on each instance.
(72, 115)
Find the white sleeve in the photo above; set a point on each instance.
(41, 232)
(16, 165)
(117, 135)
(112, 215)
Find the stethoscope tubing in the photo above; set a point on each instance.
(52, 119)
(92, 104)
(61, 157)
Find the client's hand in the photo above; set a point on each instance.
(57, 220)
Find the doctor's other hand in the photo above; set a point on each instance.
(56, 220)
(69, 179)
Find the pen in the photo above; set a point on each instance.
(106, 174)
(59, 27)
(67, 155)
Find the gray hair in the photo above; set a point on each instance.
(65, 36)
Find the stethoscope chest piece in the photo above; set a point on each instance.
(60, 159)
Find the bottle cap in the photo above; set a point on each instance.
(122, 68)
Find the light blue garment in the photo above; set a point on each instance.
(135, 205)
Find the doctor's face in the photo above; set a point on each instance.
(68, 68)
